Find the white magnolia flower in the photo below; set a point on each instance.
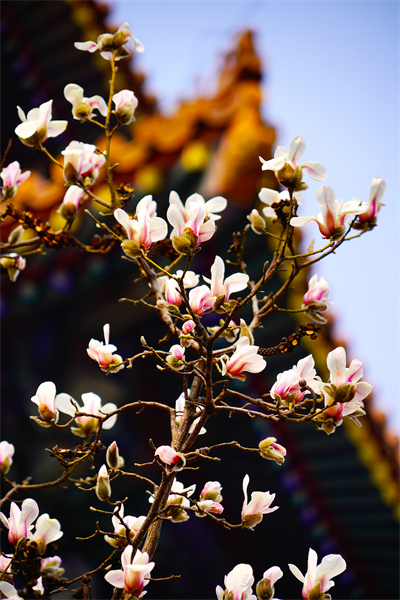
(83, 107)
(37, 126)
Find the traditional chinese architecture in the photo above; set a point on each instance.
(337, 494)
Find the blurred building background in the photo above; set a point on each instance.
(336, 494)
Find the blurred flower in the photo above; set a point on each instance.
(316, 299)
(37, 126)
(6, 453)
(283, 157)
(317, 579)
(12, 179)
(256, 221)
(259, 505)
(125, 106)
(9, 591)
(109, 44)
(82, 107)
(14, 264)
(51, 566)
(376, 191)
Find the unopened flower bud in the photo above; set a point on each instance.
(16, 235)
(245, 331)
(103, 488)
(264, 589)
(114, 460)
(256, 221)
(132, 248)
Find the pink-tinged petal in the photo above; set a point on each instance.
(73, 93)
(217, 277)
(355, 371)
(196, 217)
(336, 362)
(55, 128)
(99, 103)
(235, 283)
(296, 150)
(29, 512)
(158, 229)
(315, 170)
(327, 204)
(207, 230)
(305, 367)
(376, 190)
(301, 221)
(87, 46)
(363, 390)
(274, 164)
(273, 574)
(123, 219)
(176, 218)
(115, 578)
(331, 566)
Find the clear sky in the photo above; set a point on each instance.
(332, 77)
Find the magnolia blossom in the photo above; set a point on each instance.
(47, 530)
(37, 126)
(176, 357)
(265, 587)
(201, 299)
(39, 587)
(134, 574)
(317, 580)
(316, 299)
(345, 393)
(125, 106)
(256, 221)
(91, 405)
(45, 398)
(245, 358)
(81, 161)
(177, 501)
(20, 522)
(333, 214)
(82, 107)
(103, 353)
(208, 506)
(315, 170)
(179, 409)
(71, 201)
(14, 264)
(12, 179)
(238, 582)
(270, 450)
(169, 456)
(192, 217)
(6, 453)
(259, 505)
(221, 287)
(269, 197)
(132, 523)
(212, 491)
(51, 566)
(376, 191)
(287, 386)
(110, 45)
(145, 228)
(9, 591)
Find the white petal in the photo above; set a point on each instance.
(296, 150)
(73, 93)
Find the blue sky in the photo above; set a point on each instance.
(331, 77)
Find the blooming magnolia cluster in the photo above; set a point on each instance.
(184, 305)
